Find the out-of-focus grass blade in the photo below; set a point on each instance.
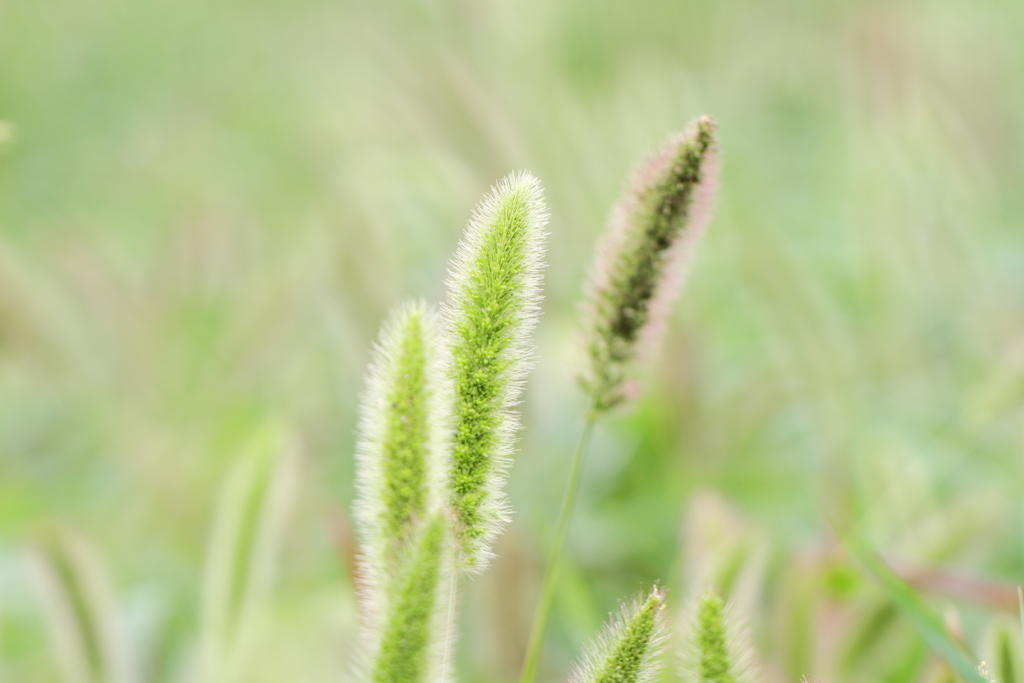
(80, 610)
(1002, 651)
(928, 624)
(872, 630)
(1020, 607)
(243, 551)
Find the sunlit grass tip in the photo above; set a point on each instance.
(713, 647)
(630, 646)
(494, 293)
(642, 260)
(401, 458)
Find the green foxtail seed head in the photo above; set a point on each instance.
(641, 262)
(491, 308)
(712, 652)
(411, 642)
(401, 458)
(629, 647)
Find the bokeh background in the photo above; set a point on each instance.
(207, 207)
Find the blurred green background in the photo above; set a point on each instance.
(208, 206)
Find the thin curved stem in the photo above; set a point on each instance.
(547, 594)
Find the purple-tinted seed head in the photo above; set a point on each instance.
(642, 261)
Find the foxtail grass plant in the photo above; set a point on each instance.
(640, 264)
(638, 270)
(490, 312)
(436, 434)
(629, 648)
(402, 454)
(413, 640)
(711, 648)
(403, 531)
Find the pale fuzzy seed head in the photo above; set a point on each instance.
(494, 294)
(630, 645)
(643, 259)
(711, 634)
(410, 335)
(416, 631)
(410, 640)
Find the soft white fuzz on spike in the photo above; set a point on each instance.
(401, 468)
(642, 260)
(713, 645)
(629, 648)
(491, 309)
(414, 636)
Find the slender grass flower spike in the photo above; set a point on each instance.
(641, 262)
(415, 634)
(639, 268)
(629, 648)
(402, 451)
(491, 309)
(435, 431)
(711, 651)
(401, 463)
